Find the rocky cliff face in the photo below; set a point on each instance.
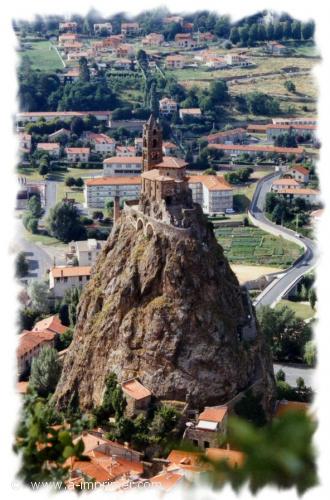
(169, 310)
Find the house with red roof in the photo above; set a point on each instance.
(77, 154)
(29, 347)
(138, 397)
(211, 424)
(63, 278)
(51, 324)
(51, 148)
(299, 173)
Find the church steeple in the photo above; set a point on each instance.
(152, 151)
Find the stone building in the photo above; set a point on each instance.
(211, 425)
(137, 396)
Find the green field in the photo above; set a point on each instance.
(302, 309)
(251, 245)
(43, 56)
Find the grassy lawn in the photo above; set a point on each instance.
(44, 240)
(59, 176)
(64, 191)
(43, 56)
(302, 309)
(251, 245)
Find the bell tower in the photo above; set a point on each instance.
(152, 152)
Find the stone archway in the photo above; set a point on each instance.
(149, 231)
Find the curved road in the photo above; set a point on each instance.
(278, 287)
(304, 264)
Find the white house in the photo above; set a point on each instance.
(99, 190)
(167, 106)
(122, 165)
(77, 154)
(86, 251)
(194, 112)
(175, 62)
(311, 196)
(285, 183)
(102, 143)
(212, 192)
(299, 173)
(63, 278)
(52, 148)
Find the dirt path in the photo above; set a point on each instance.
(247, 273)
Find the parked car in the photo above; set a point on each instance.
(230, 211)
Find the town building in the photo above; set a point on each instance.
(138, 141)
(77, 154)
(256, 128)
(167, 106)
(130, 29)
(285, 406)
(276, 48)
(122, 165)
(299, 173)
(237, 60)
(69, 26)
(51, 324)
(285, 183)
(122, 63)
(75, 56)
(231, 136)
(169, 148)
(302, 120)
(215, 62)
(86, 252)
(151, 39)
(185, 40)
(67, 37)
(138, 397)
(59, 133)
(175, 62)
(167, 481)
(211, 425)
(99, 190)
(275, 130)
(252, 149)
(29, 347)
(190, 112)
(173, 20)
(72, 47)
(24, 142)
(126, 151)
(27, 189)
(70, 76)
(63, 278)
(125, 50)
(51, 148)
(212, 192)
(311, 196)
(102, 143)
(101, 28)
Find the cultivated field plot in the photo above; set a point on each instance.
(43, 56)
(250, 245)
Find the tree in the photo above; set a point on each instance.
(64, 223)
(210, 171)
(296, 30)
(79, 182)
(307, 30)
(218, 91)
(32, 225)
(97, 215)
(312, 297)
(280, 453)
(45, 372)
(34, 207)
(310, 353)
(39, 295)
(71, 299)
(270, 31)
(287, 32)
(118, 402)
(280, 375)
(44, 449)
(64, 314)
(234, 35)
(262, 35)
(244, 35)
(84, 73)
(21, 265)
(43, 169)
(77, 125)
(222, 27)
(278, 31)
(250, 408)
(253, 34)
(189, 156)
(271, 202)
(70, 181)
(290, 86)
(164, 421)
(262, 104)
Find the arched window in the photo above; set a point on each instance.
(154, 143)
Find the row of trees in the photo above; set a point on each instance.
(33, 214)
(239, 176)
(291, 213)
(288, 30)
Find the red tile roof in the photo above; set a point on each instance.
(256, 148)
(224, 133)
(189, 460)
(166, 480)
(212, 182)
(135, 389)
(171, 162)
(213, 414)
(48, 146)
(114, 181)
(299, 169)
(233, 458)
(65, 272)
(299, 191)
(123, 160)
(29, 340)
(285, 182)
(53, 324)
(77, 150)
(291, 126)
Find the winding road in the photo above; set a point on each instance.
(287, 279)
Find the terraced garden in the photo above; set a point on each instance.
(251, 245)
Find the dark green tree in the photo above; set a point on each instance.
(234, 35)
(34, 207)
(64, 223)
(45, 372)
(21, 265)
(307, 30)
(270, 31)
(296, 30)
(244, 35)
(287, 31)
(250, 408)
(84, 73)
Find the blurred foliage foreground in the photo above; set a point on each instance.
(279, 453)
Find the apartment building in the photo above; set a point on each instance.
(98, 191)
(122, 165)
(63, 278)
(212, 192)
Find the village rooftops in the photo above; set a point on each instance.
(233, 458)
(213, 414)
(70, 271)
(100, 138)
(212, 182)
(175, 57)
(171, 162)
(48, 146)
(52, 324)
(189, 460)
(285, 182)
(123, 159)
(299, 191)
(135, 389)
(166, 480)
(77, 150)
(224, 133)
(114, 181)
(191, 111)
(302, 170)
(295, 126)
(156, 175)
(29, 340)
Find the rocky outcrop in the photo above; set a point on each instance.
(167, 309)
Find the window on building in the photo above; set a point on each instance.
(65, 280)
(195, 442)
(206, 444)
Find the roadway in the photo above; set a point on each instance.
(277, 289)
